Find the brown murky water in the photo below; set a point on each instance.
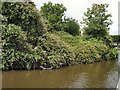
(100, 74)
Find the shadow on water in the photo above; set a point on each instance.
(100, 74)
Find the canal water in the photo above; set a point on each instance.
(98, 75)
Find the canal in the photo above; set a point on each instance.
(98, 75)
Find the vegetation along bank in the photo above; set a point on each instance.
(46, 39)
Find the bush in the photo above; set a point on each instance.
(115, 39)
(112, 54)
(13, 38)
(17, 53)
(55, 51)
(24, 15)
(72, 27)
(27, 17)
(87, 50)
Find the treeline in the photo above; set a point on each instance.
(55, 14)
(47, 39)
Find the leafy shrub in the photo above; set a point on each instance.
(22, 15)
(14, 39)
(112, 53)
(56, 52)
(10, 34)
(86, 50)
(116, 38)
(17, 53)
(25, 15)
(54, 49)
(71, 26)
(20, 35)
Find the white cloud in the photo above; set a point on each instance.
(76, 9)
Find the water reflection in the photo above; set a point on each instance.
(101, 74)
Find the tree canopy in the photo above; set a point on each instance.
(32, 39)
(71, 26)
(25, 15)
(97, 21)
(54, 14)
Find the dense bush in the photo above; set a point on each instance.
(112, 54)
(56, 52)
(26, 44)
(54, 49)
(17, 53)
(71, 26)
(14, 42)
(88, 50)
(116, 38)
(23, 14)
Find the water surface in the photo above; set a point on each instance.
(97, 75)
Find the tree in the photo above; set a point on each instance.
(19, 13)
(25, 15)
(54, 14)
(71, 26)
(97, 22)
(21, 34)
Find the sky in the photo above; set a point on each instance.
(76, 9)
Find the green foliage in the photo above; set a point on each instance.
(116, 38)
(13, 38)
(17, 53)
(23, 14)
(54, 14)
(86, 50)
(53, 50)
(20, 35)
(97, 21)
(56, 52)
(71, 26)
(26, 44)
(19, 13)
(112, 54)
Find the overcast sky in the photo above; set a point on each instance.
(76, 9)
